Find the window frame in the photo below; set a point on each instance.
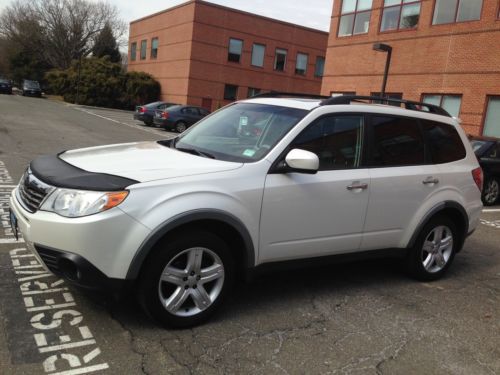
(400, 5)
(297, 60)
(229, 53)
(485, 111)
(133, 51)
(235, 95)
(276, 59)
(441, 100)
(263, 57)
(316, 66)
(152, 49)
(355, 13)
(145, 43)
(456, 14)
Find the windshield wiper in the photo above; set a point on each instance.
(195, 152)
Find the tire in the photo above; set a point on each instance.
(171, 290)
(427, 261)
(491, 191)
(180, 127)
(148, 123)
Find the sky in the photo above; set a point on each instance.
(310, 13)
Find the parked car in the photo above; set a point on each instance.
(145, 113)
(179, 117)
(179, 220)
(488, 153)
(31, 88)
(5, 86)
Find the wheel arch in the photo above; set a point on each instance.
(226, 225)
(455, 211)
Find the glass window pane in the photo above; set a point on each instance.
(410, 16)
(154, 43)
(362, 22)
(492, 120)
(346, 23)
(452, 104)
(397, 142)
(301, 64)
(235, 47)
(469, 10)
(280, 59)
(390, 19)
(388, 3)
(444, 142)
(320, 66)
(144, 45)
(230, 92)
(364, 5)
(348, 6)
(258, 52)
(133, 51)
(432, 99)
(444, 12)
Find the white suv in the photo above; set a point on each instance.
(261, 181)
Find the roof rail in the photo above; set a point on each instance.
(279, 94)
(411, 105)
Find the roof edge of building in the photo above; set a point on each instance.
(208, 3)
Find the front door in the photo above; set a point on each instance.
(307, 215)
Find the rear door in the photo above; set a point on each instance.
(402, 178)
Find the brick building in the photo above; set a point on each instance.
(444, 51)
(206, 54)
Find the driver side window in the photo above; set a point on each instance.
(337, 140)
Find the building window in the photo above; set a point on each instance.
(230, 92)
(342, 93)
(390, 95)
(449, 11)
(320, 66)
(235, 49)
(280, 59)
(355, 17)
(301, 64)
(258, 52)
(144, 46)
(492, 118)
(252, 91)
(450, 103)
(400, 14)
(133, 51)
(154, 48)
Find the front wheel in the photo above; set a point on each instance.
(186, 279)
(434, 250)
(491, 192)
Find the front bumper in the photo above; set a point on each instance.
(107, 241)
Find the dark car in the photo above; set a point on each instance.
(5, 86)
(146, 112)
(179, 117)
(31, 88)
(488, 153)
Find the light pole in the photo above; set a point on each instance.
(380, 47)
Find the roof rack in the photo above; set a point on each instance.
(278, 94)
(411, 105)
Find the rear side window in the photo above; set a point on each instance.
(396, 141)
(445, 145)
(337, 140)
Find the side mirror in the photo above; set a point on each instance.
(302, 161)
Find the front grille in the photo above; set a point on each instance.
(50, 258)
(32, 191)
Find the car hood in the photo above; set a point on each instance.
(143, 161)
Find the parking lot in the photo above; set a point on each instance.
(360, 318)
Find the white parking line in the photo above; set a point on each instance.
(7, 186)
(10, 240)
(491, 210)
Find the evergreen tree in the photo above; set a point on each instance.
(105, 45)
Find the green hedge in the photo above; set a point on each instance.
(103, 84)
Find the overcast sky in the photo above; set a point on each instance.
(311, 13)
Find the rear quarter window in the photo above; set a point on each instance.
(445, 144)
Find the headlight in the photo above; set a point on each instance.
(78, 203)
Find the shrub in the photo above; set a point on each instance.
(141, 88)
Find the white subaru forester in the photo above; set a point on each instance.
(262, 181)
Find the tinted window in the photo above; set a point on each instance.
(230, 92)
(445, 145)
(337, 140)
(397, 141)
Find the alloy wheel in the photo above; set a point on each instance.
(491, 191)
(437, 249)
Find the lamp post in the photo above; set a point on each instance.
(380, 47)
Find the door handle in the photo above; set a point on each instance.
(430, 180)
(357, 186)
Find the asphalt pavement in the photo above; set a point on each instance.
(360, 318)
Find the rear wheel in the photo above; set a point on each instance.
(434, 249)
(186, 279)
(148, 122)
(491, 191)
(180, 127)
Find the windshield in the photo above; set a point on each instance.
(242, 132)
(32, 84)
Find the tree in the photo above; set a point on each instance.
(58, 31)
(106, 45)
